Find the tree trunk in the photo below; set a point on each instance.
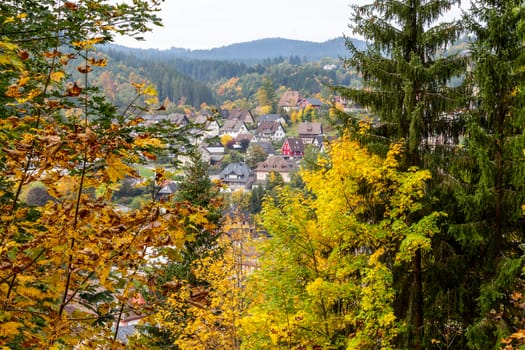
(418, 301)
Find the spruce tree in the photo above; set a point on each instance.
(491, 193)
(406, 81)
(194, 189)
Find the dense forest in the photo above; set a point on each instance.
(405, 232)
(194, 82)
(194, 79)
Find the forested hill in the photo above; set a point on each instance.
(256, 51)
(195, 77)
(233, 73)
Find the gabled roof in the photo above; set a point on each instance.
(289, 99)
(232, 125)
(268, 127)
(153, 118)
(320, 140)
(202, 119)
(295, 144)
(241, 114)
(271, 117)
(244, 136)
(277, 163)
(205, 112)
(241, 170)
(310, 128)
(314, 101)
(266, 146)
(169, 188)
(174, 118)
(178, 118)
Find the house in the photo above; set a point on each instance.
(320, 142)
(348, 106)
(210, 126)
(168, 188)
(243, 140)
(289, 100)
(278, 164)
(237, 176)
(179, 119)
(293, 147)
(309, 102)
(308, 131)
(233, 128)
(216, 152)
(270, 131)
(265, 145)
(186, 159)
(272, 118)
(244, 115)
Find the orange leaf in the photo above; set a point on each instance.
(73, 89)
(99, 63)
(23, 55)
(84, 69)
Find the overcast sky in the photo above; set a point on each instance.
(206, 24)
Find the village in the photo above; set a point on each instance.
(267, 143)
(363, 190)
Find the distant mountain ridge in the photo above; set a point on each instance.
(259, 50)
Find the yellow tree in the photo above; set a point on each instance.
(207, 314)
(266, 96)
(226, 140)
(69, 269)
(214, 318)
(326, 274)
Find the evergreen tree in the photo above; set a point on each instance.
(490, 195)
(405, 85)
(195, 189)
(256, 199)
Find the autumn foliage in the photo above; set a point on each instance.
(337, 264)
(326, 276)
(73, 267)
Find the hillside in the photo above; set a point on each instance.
(256, 51)
(235, 72)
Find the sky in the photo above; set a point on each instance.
(207, 24)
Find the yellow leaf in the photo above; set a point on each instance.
(151, 101)
(148, 142)
(87, 43)
(150, 91)
(138, 86)
(104, 274)
(57, 76)
(23, 80)
(99, 63)
(9, 329)
(116, 169)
